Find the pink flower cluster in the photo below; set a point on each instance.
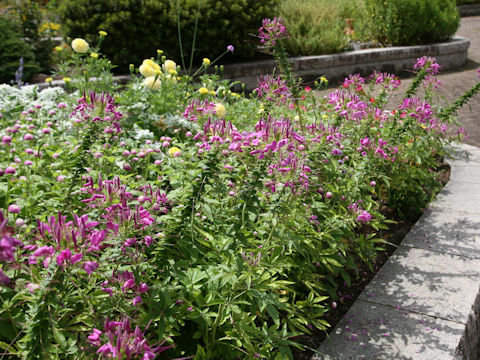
(389, 81)
(119, 341)
(100, 108)
(197, 108)
(271, 31)
(428, 63)
(273, 89)
(8, 245)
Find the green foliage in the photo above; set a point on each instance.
(12, 48)
(318, 27)
(411, 22)
(137, 28)
(30, 15)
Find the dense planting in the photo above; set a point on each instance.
(178, 219)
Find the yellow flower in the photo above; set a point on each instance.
(146, 70)
(48, 80)
(220, 110)
(206, 61)
(58, 48)
(159, 52)
(174, 151)
(149, 68)
(151, 63)
(94, 55)
(80, 46)
(323, 79)
(152, 83)
(212, 92)
(170, 66)
(102, 33)
(67, 79)
(203, 91)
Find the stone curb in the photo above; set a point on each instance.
(427, 294)
(451, 54)
(469, 10)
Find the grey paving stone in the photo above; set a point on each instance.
(427, 282)
(447, 231)
(466, 173)
(465, 155)
(373, 331)
(459, 196)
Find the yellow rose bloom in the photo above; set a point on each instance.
(170, 66)
(206, 61)
(80, 46)
(203, 91)
(102, 33)
(220, 110)
(67, 79)
(159, 52)
(212, 92)
(58, 48)
(174, 151)
(152, 83)
(146, 70)
(151, 63)
(48, 80)
(94, 55)
(173, 72)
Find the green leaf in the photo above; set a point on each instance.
(272, 311)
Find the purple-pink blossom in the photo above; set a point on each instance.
(364, 217)
(271, 31)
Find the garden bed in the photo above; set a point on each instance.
(182, 218)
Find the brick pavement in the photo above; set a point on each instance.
(455, 83)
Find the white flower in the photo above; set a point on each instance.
(152, 83)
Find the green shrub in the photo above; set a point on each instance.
(137, 28)
(30, 14)
(318, 26)
(12, 48)
(412, 22)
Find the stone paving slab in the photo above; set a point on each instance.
(459, 196)
(466, 155)
(426, 282)
(374, 331)
(466, 173)
(446, 231)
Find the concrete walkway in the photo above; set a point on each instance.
(424, 303)
(419, 305)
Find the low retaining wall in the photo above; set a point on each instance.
(469, 10)
(450, 55)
